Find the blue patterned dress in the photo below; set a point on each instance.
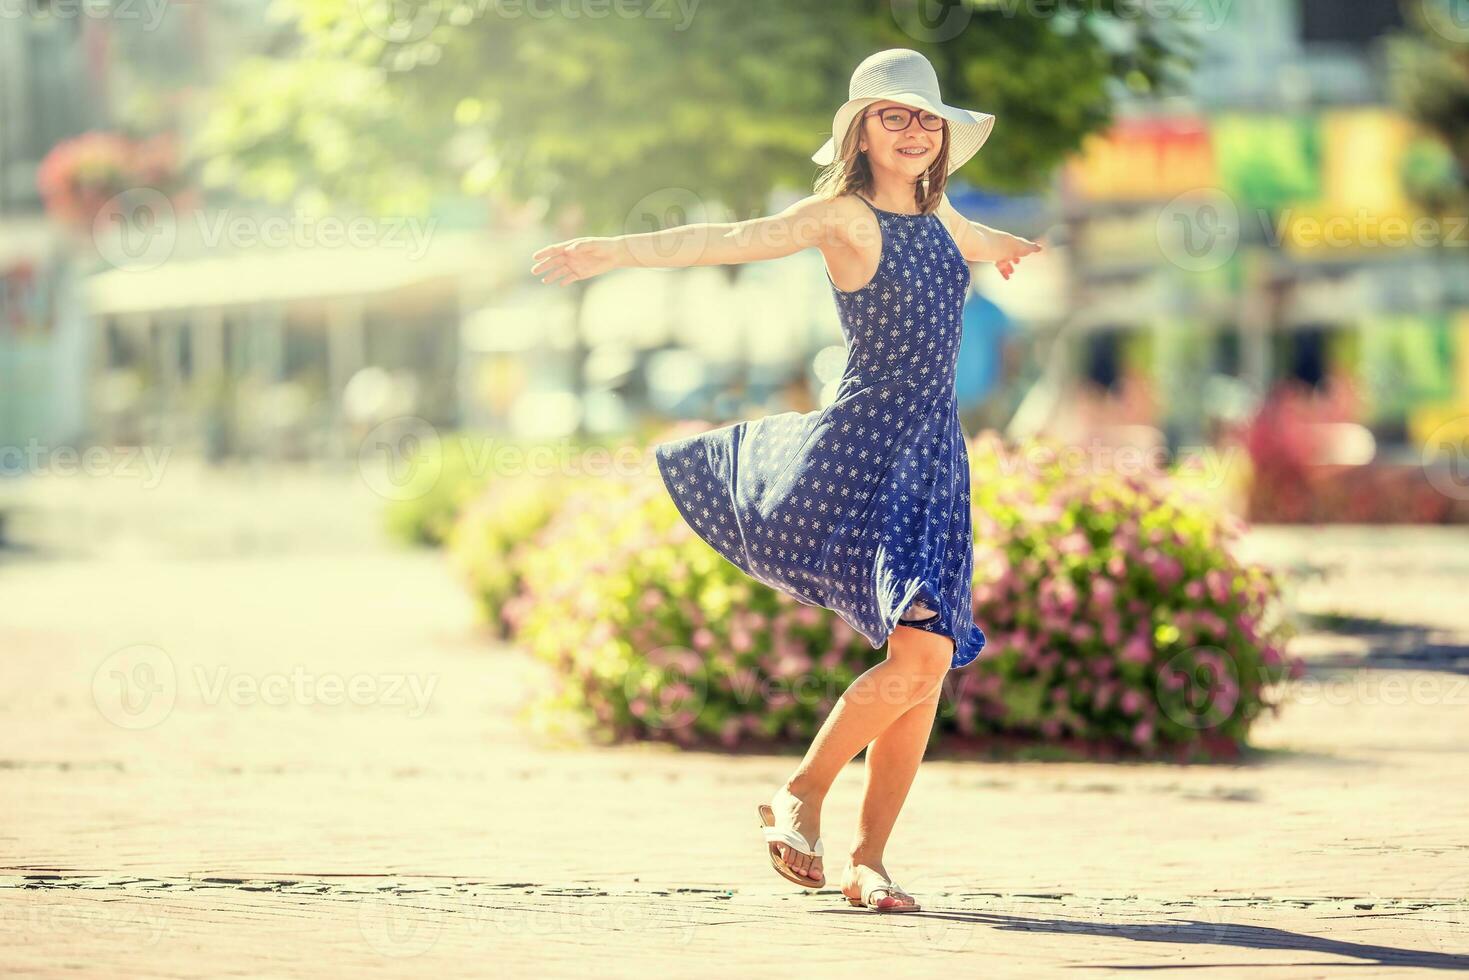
(861, 507)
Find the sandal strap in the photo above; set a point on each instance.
(791, 838)
(893, 889)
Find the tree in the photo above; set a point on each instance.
(639, 114)
(1430, 81)
(386, 101)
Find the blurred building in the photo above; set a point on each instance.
(46, 94)
(1260, 233)
(208, 324)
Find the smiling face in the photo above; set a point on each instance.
(910, 150)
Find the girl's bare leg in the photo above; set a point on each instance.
(891, 765)
(905, 685)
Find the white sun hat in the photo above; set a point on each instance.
(903, 75)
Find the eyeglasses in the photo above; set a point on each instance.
(896, 118)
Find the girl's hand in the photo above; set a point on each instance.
(1009, 250)
(579, 258)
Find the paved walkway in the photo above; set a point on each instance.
(297, 756)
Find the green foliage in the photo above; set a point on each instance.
(655, 108)
(1430, 81)
(485, 541)
(441, 477)
(1114, 610)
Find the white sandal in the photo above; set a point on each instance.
(792, 839)
(892, 888)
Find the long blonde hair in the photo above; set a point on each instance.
(850, 171)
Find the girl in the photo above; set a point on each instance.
(861, 507)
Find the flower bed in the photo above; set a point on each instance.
(1115, 611)
(1115, 608)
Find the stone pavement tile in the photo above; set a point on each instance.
(371, 926)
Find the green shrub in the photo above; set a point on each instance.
(649, 633)
(1113, 606)
(440, 478)
(486, 544)
(1114, 612)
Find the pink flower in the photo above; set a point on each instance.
(729, 733)
(1217, 584)
(1132, 701)
(1074, 543)
(1142, 733)
(1139, 650)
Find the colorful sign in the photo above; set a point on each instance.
(1144, 160)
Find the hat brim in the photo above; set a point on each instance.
(968, 130)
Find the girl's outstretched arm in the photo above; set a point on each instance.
(812, 222)
(981, 243)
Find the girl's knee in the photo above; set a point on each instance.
(927, 655)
